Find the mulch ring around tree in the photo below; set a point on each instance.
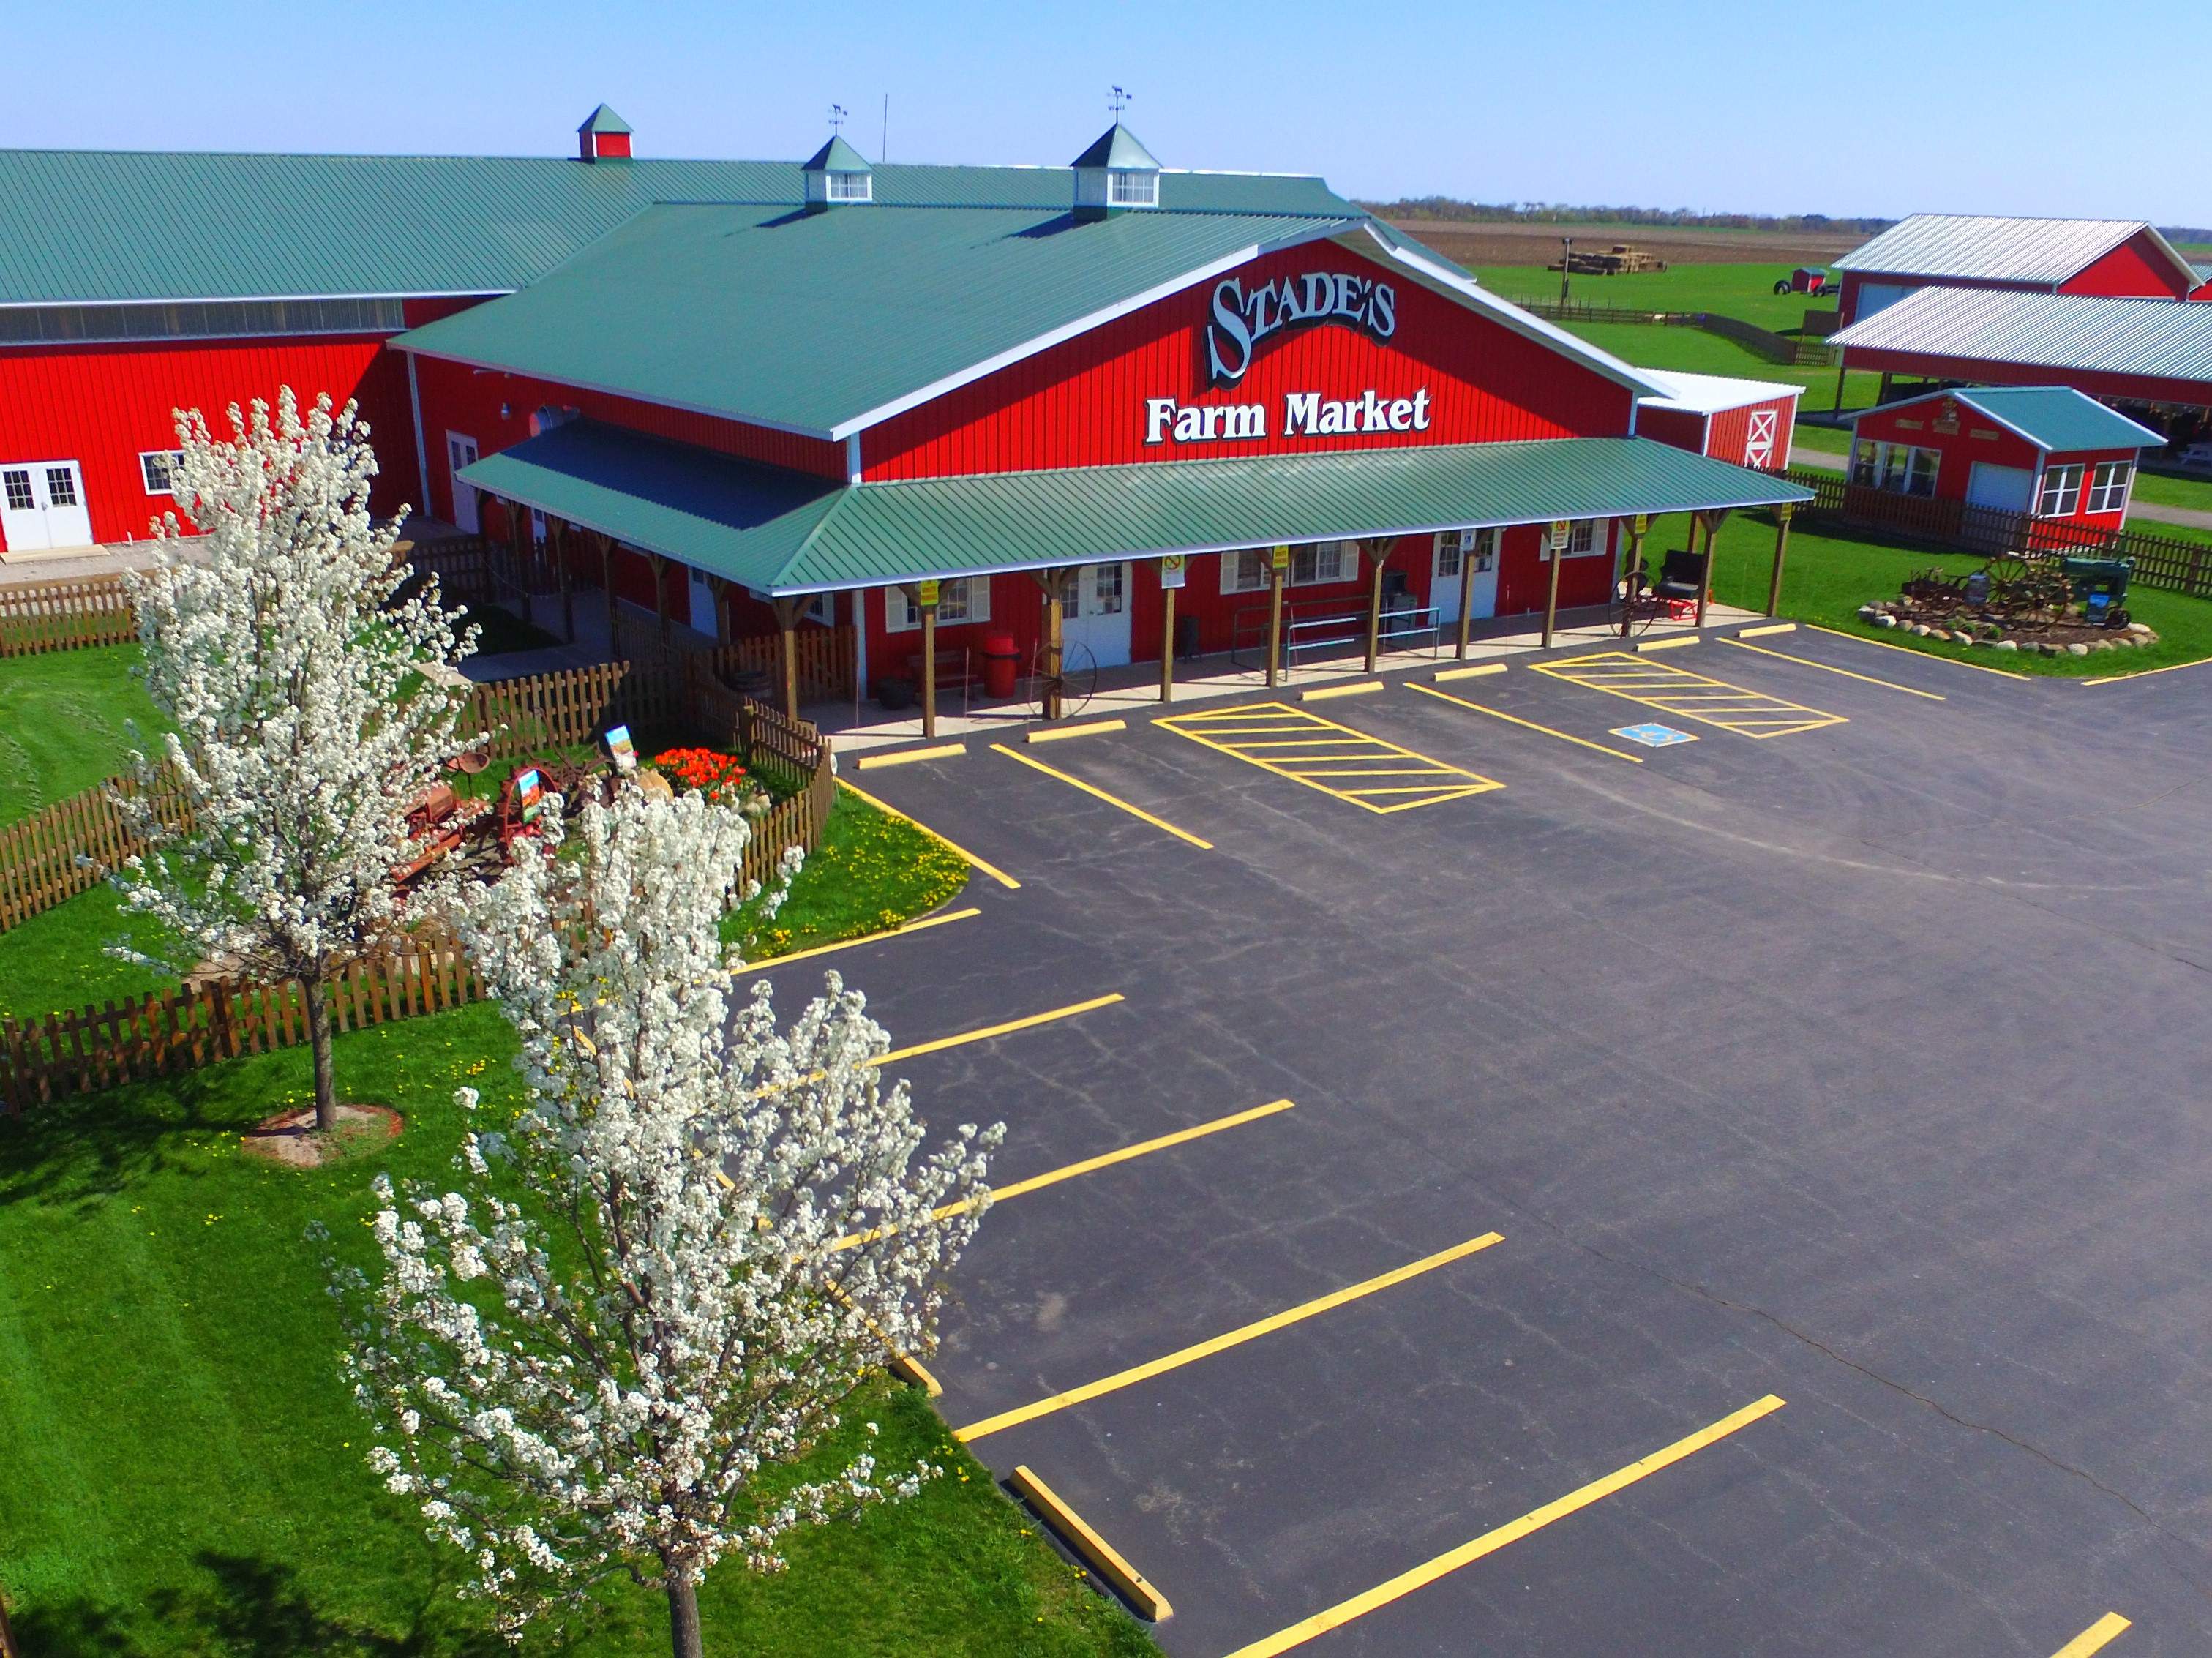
(289, 1137)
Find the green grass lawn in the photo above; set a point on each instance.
(1743, 291)
(1827, 577)
(185, 1467)
(2166, 491)
(63, 723)
(1829, 439)
(872, 871)
(1693, 351)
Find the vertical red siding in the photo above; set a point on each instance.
(1082, 402)
(458, 398)
(2133, 269)
(1729, 433)
(100, 405)
(1678, 428)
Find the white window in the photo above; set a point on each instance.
(851, 186)
(2108, 486)
(1245, 571)
(1451, 551)
(823, 607)
(1133, 189)
(159, 467)
(1899, 468)
(2061, 491)
(1582, 539)
(1323, 562)
(964, 599)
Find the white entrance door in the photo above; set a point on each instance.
(2011, 488)
(1095, 613)
(1464, 555)
(42, 505)
(462, 452)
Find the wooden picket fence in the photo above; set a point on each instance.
(824, 657)
(576, 705)
(58, 852)
(1781, 349)
(2181, 566)
(36, 617)
(63, 1054)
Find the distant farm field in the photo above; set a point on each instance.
(1474, 243)
(1743, 291)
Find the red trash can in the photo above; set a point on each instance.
(1000, 657)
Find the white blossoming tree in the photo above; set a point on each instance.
(665, 1279)
(305, 722)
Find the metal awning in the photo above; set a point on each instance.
(777, 531)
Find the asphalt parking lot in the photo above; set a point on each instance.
(1831, 1082)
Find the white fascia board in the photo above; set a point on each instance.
(1323, 229)
(1520, 322)
(738, 415)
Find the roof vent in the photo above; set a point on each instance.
(604, 136)
(836, 175)
(1115, 175)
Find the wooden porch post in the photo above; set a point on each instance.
(1367, 550)
(787, 623)
(1556, 551)
(1279, 567)
(556, 535)
(1705, 586)
(1465, 599)
(1840, 371)
(1782, 516)
(926, 601)
(1049, 582)
(614, 608)
(1633, 568)
(660, 593)
(1167, 633)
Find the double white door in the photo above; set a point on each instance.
(1095, 613)
(42, 505)
(1469, 556)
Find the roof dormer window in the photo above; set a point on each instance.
(1116, 174)
(1126, 188)
(851, 186)
(838, 174)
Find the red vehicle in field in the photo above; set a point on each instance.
(1806, 279)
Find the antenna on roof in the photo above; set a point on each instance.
(1119, 100)
(837, 114)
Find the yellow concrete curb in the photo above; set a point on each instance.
(941, 751)
(1053, 733)
(1323, 693)
(1479, 668)
(1770, 628)
(1148, 1602)
(1673, 642)
(906, 1368)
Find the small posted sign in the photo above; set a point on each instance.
(927, 594)
(1561, 530)
(1175, 568)
(621, 749)
(1278, 558)
(1643, 522)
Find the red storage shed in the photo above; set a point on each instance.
(2110, 258)
(1745, 423)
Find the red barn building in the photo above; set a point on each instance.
(751, 396)
(2046, 452)
(2107, 258)
(1745, 423)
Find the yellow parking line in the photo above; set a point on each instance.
(1688, 695)
(1259, 734)
(902, 756)
(1491, 1541)
(1925, 656)
(1807, 662)
(1089, 728)
(2143, 673)
(1515, 719)
(922, 925)
(989, 1031)
(2095, 1638)
(1088, 1166)
(1236, 1338)
(1111, 800)
(991, 869)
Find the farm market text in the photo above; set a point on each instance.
(1305, 415)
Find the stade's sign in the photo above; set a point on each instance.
(1304, 415)
(1242, 316)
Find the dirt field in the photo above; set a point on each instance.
(1538, 243)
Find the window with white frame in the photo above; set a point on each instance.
(159, 467)
(850, 186)
(1319, 562)
(2108, 486)
(2061, 494)
(823, 607)
(1582, 539)
(1245, 571)
(963, 598)
(1902, 469)
(1138, 188)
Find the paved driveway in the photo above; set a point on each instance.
(1834, 1087)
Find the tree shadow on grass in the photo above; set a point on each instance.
(92, 1146)
(247, 1608)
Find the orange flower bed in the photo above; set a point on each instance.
(699, 768)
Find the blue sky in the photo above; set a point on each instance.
(1945, 105)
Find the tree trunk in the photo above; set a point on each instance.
(683, 1615)
(319, 1043)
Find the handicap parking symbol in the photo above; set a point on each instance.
(1655, 736)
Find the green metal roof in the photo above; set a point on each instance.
(811, 322)
(100, 227)
(837, 156)
(604, 119)
(777, 531)
(1120, 149)
(2056, 418)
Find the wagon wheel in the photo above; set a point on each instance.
(1077, 681)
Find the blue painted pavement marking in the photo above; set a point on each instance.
(1654, 735)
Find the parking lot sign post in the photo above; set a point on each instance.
(1782, 516)
(1377, 553)
(1466, 601)
(925, 597)
(1049, 701)
(1175, 569)
(1279, 569)
(1561, 531)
